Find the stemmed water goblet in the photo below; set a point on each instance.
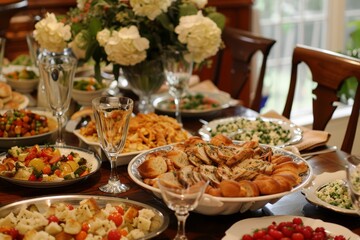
(178, 66)
(112, 116)
(182, 200)
(353, 179)
(57, 70)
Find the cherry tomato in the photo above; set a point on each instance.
(85, 226)
(53, 218)
(297, 236)
(10, 231)
(259, 234)
(287, 231)
(46, 170)
(114, 234)
(120, 210)
(116, 218)
(32, 178)
(275, 233)
(81, 235)
(247, 237)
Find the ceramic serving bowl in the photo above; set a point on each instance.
(210, 205)
(22, 85)
(84, 97)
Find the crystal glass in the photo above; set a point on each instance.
(145, 79)
(182, 200)
(112, 115)
(57, 72)
(178, 66)
(34, 48)
(2, 51)
(353, 179)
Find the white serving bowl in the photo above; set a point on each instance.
(210, 205)
(83, 97)
(21, 85)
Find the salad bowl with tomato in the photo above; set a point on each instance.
(47, 166)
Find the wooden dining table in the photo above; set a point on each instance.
(198, 226)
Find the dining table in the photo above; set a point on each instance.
(198, 226)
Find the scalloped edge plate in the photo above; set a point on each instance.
(296, 132)
(223, 98)
(210, 205)
(93, 162)
(319, 181)
(248, 226)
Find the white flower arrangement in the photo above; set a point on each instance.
(126, 33)
(51, 34)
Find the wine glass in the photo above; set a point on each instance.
(112, 116)
(178, 66)
(182, 200)
(57, 71)
(2, 51)
(353, 179)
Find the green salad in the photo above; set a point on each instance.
(88, 84)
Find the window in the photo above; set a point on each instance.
(317, 23)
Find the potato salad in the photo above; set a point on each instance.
(243, 129)
(336, 194)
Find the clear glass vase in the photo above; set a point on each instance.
(145, 79)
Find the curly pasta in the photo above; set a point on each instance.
(146, 131)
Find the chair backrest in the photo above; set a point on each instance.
(8, 8)
(329, 70)
(243, 45)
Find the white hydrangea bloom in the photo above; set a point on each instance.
(201, 35)
(125, 47)
(51, 34)
(79, 45)
(199, 3)
(80, 4)
(150, 8)
(103, 36)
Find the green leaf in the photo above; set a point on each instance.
(187, 9)
(164, 20)
(94, 27)
(218, 18)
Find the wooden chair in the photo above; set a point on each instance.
(329, 70)
(243, 45)
(8, 8)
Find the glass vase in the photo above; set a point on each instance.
(145, 79)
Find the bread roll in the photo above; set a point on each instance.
(268, 186)
(248, 189)
(153, 166)
(229, 188)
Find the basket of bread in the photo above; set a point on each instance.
(242, 175)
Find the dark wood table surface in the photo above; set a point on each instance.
(198, 226)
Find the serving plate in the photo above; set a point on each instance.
(207, 130)
(248, 226)
(43, 203)
(122, 159)
(210, 205)
(9, 142)
(223, 98)
(93, 162)
(320, 181)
